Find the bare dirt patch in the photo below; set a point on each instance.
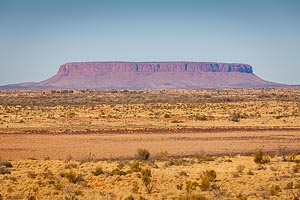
(116, 146)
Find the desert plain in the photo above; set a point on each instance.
(150, 144)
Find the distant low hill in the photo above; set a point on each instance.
(150, 75)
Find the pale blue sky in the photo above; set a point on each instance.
(36, 36)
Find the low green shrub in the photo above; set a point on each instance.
(73, 177)
(98, 171)
(119, 172)
(7, 164)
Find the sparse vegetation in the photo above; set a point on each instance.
(201, 118)
(259, 158)
(146, 178)
(167, 115)
(31, 174)
(7, 164)
(142, 154)
(169, 119)
(98, 171)
(135, 166)
(122, 178)
(190, 186)
(274, 190)
(73, 177)
(206, 178)
(235, 117)
(4, 170)
(250, 172)
(117, 171)
(240, 169)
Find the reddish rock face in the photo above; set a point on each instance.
(152, 75)
(152, 67)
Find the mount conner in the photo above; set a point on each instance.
(150, 75)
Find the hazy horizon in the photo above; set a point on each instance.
(36, 37)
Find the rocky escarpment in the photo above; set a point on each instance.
(156, 75)
(139, 67)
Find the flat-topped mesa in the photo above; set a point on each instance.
(151, 75)
(152, 67)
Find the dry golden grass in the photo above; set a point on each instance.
(149, 109)
(81, 144)
(237, 177)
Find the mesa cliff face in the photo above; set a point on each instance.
(152, 75)
(113, 67)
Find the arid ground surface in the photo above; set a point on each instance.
(52, 142)
(123, 146)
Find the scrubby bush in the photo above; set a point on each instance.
(179, 162)
(135, 166)
(205, 159)
(135, 188)
(274, 190)
(98, 171)
(162, 156)
(190, 186)
(167, 115)
(259, 158)
(241, 197)
(3, 170)
(176, 121)
(201, 118)
(73, 177)
(129, 198)
(31, 197)
(191, 197)
(117, 171)
(240, 169)
(250, 172)
(296, 168)
(142, 154)
(235, 117)
(207, 177)
(183, 173)
(179, 186)
(31, 174)
(146, 178)
(7, 164)
(210, 174)
(71, 166)
(132, 198)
